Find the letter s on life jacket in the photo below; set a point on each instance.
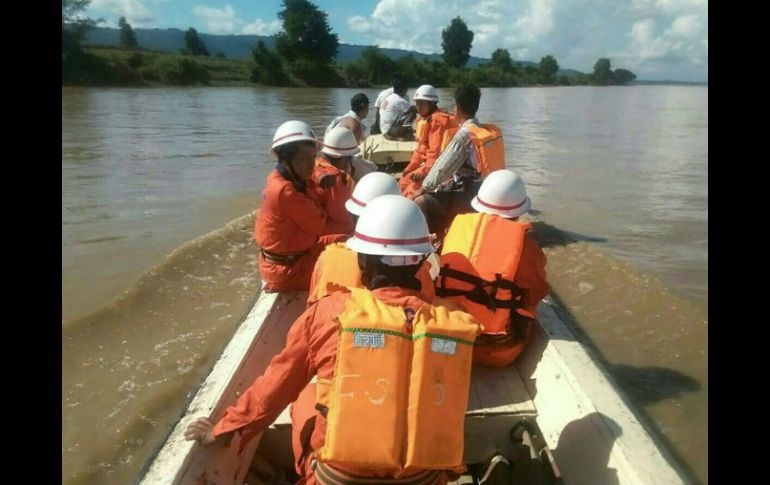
(479, 260)
(392, 424)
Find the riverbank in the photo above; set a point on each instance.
(118, 67)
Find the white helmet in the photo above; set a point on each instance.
(503, 193)
(426, 92)
(392, 226)
(291, 131)
(371, 186)
(340, 142)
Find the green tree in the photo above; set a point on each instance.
(306, 33)
(127, 36)
(547, 69)
(602, 73)
(456, 42)
(623, 76)
(194, 44)
(73, 24)
(379, 68)
(220, 55)
(355, 74)
(268, 67)
(501, 58)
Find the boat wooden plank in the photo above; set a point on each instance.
(591, 430)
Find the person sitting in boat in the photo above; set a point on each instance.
(337, 266)
(291, 218)
(375, 130)
(393, 370)
(492, 267)
(474, 151)
(353, 120)
(434, 129)
(334, 161)
(397, 115)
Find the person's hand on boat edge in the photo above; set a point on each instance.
(200, 431)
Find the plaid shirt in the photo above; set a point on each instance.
(456, 162)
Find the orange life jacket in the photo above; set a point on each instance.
(488, 142)
(479, 259)
(397, 399)
(430, 137)
(337, 269)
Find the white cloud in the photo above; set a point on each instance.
(218, 21)
(641, 35)
(225, 21)
(135, 12)
(260, 27)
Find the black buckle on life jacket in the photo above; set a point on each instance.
(478, 294)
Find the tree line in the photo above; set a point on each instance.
(305, 52)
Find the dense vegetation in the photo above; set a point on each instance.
(304, 55)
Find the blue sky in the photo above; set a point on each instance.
(656, 39)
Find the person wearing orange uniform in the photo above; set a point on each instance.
(336, 268)
(493, 268)
(291, 218)
(474, 151)
(338, 148)
(434, 128)
(372, 330)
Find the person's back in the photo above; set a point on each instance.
(397, 114)
(337, 266)
(493, 268)
(402, 349)
(376, 130)
(353, 119)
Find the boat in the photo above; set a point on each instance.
(556, 410)
(390, 156)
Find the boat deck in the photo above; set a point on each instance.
(593, 434)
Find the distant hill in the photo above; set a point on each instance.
(239, 46)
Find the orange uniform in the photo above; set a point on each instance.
(338, 219)
(311, 349)
(337, 268)
(498, 251)
(430, 135)
(287, 231)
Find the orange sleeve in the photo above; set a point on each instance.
(337, 216)
(303, 209)
(530, 277)
(288, 373)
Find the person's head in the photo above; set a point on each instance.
(371, 186)
(503, 193)
(339, 146)
(295, 145)
(359, 104)
(391, 239)
(399, 85)
(426, 99)
(467, 101)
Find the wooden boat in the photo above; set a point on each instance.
(391, 156)
(555, 388)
